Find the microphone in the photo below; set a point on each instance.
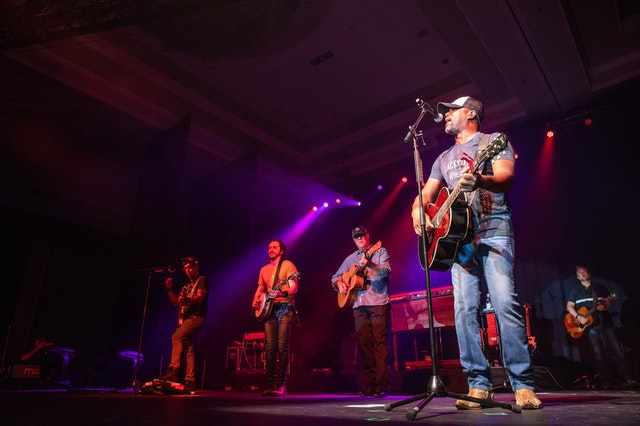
(170, 269)
(437, 117)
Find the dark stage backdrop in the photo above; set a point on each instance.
(573, 203)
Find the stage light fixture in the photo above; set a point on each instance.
(338, 201)
(379, 187)
(405, 180)
(326, 205)
(550, 134)
(587, 121)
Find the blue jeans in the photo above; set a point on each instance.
(182, 342)
(277, 331)
(493, 257)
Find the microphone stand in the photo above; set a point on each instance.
(435, 387)
(149, 271)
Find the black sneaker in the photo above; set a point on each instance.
(190, 387)
(380, 394)
(171, 376)
(268, 392)
(367, 392)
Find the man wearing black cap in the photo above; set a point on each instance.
(192, 311)
(487, 254)
(363, 279)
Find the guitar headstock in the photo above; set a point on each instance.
(293, 276)
(373, 248)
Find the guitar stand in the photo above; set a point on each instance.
(435, 387)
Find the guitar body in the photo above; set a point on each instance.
(574, 328)
(262, 312)
(445, 240)
(266, 305)
(356, 283)
(451, 216)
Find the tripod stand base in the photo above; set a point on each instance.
(437, 389)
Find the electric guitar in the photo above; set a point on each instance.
(354, 278)
(533, 346)
(574, 327)
(451, 216)
(186, 291)
(266, 299)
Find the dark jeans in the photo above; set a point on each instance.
(605, 346)
(277, 333)
(372, 328)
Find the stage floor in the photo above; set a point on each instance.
(126, 407)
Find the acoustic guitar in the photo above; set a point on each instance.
(266, 299)
(354, 278)
(451, 216)
(573, 326)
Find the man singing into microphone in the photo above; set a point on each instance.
(192, 311)
(488, 254)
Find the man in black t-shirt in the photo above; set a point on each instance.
(588, 303)
(192, 311)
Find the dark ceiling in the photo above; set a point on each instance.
(321, 89)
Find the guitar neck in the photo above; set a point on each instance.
(527, 307)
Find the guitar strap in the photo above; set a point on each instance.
(484, 141)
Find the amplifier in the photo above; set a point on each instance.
(253, 336)
(25, 371)
(409, 311)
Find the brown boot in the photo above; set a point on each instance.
(527, 399)
(462, 404)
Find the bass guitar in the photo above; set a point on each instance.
(451, 217)
(573, 326)
(266, 299)
(354, 278)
